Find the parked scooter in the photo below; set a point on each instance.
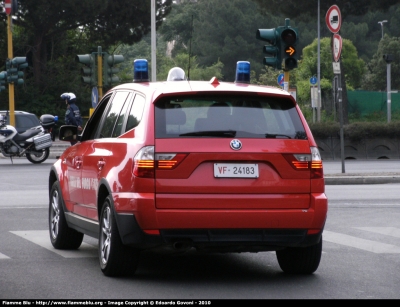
(34, 143)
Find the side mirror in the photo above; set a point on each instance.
(68, 133)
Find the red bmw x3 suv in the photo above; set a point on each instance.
(181, 165)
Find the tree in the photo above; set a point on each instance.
(223, 30)
(303, 9)
(166, 62)
(376, 77)
(48, 28)
(352, 64)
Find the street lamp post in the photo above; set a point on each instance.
(381, 23)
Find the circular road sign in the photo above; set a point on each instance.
(281, 79)
(333, 19)
(313, 80)
(337, 47)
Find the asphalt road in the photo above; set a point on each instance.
(360, 252)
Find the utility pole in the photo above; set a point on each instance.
(319, 68)
(388, 59)
(153, 41)
(10, 56)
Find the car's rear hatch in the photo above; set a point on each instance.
(252, 153)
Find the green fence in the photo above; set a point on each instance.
(365, 102)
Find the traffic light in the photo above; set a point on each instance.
(15, 68)
(109, 60)
(89, 71)
(3, 80)
(273, 37)
(289, 38)
(388, 58)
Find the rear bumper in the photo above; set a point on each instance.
(215, 240)
(142, 225)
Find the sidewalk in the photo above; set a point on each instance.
(362, 172)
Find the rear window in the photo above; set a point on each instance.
(227, 116)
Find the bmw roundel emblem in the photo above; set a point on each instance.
(236, 144)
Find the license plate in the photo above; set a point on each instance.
(234, 170)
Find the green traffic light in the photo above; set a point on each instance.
(109, 60)
(3, 80)
(14, 68)
(289, 39)
(273, 37)
(89, 71)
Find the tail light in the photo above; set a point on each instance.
(169, 160)
(309, 162)
(146, 161)
(143, 162)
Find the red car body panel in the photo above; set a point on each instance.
(189, 196)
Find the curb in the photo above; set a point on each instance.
(370, 179)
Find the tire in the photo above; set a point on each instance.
(61, 236)
(38, 156)
(116, 259)
(300, 260)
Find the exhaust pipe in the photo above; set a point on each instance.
(182, 245)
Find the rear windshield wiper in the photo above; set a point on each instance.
(219, 133)
(277, 136)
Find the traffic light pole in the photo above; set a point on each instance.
(286, 80)
(100, 72)
(10, 85)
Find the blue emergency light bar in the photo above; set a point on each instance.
(242, 72)
(140, 70)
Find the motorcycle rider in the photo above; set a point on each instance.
(72, 114)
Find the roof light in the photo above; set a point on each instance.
(176, 74)
(140, 70)
(242, 72)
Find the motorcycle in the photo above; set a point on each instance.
(34, 143)
(49, 122)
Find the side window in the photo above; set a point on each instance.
(121, 118)
(112, 114)
(136, 112)
(93, 124)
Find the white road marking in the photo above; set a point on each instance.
(41, 238)
(367, 245)
(387, 231)
(2, 256)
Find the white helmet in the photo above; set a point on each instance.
(70, 97)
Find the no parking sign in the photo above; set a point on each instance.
(281, 80)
